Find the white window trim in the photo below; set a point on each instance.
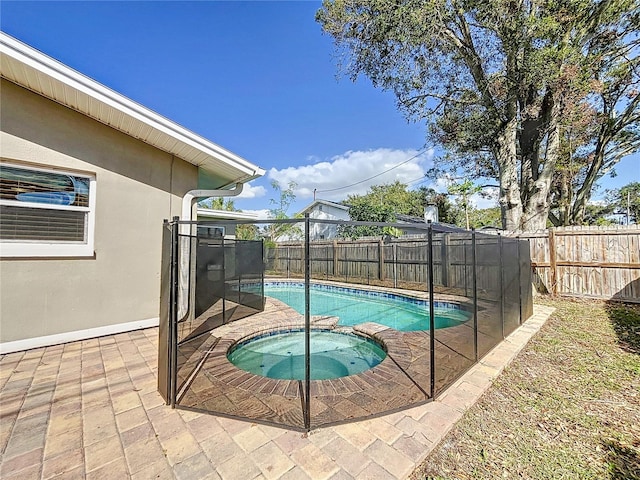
(10, 249)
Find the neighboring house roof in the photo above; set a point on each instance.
(401, 218)
(31, 69)
(225, 214)
(438, 227)
(489, 229)
(313, 204)
(408, 218)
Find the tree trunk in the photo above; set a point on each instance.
(564, 202)
(505, 153)
(536, 210)
(529, 139)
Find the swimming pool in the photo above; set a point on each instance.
(354, 306)
(281, 355)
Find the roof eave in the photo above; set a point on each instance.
(160, 132)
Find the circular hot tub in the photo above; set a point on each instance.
(281, 355)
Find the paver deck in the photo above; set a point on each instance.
(90, 410)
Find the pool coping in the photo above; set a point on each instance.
(416, 294)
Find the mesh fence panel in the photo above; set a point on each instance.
(526, 281)
(209, 279)
(454, 317)
(411, 265)
(489, 285)
(187, 352)
(167, 304)
(362, 305)
(510, 284)
(243, 275)
(228, 287)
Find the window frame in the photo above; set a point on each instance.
(44, 248)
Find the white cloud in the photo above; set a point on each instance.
(441, 184)
(250, 191)
(488, 199)
(352, 167)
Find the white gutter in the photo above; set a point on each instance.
(192, 195)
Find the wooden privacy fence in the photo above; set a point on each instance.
(368, 260)
(404, 262)
(602, 262)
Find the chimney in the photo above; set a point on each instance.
(431, 213)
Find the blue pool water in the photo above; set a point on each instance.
(281, 355)
(358, 306)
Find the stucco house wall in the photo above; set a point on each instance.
(136, 187)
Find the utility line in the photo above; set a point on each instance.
(419, 180)
(377, 175)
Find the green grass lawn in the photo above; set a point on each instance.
(568, 407)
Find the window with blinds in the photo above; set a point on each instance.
(40, 206)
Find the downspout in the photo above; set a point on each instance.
(192, 195)
(184, 295)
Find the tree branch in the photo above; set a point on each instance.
(466, 48)
(443, 98)
(555, 220)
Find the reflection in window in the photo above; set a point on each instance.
(34, 186)
(37, 205)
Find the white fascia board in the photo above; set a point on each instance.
(323, 202)
(57, 71)
(225, 214)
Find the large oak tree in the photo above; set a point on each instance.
(521, 91)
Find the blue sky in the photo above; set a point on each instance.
(258, 78)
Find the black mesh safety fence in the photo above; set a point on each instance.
(510, 284)
(526, 280)
(304, 323)
(488, 288)
(166, 340)
(212, 281)
(243, 276)
(454, 312)
(369, 325)
(190, 306)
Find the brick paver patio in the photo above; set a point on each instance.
(90, 410)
